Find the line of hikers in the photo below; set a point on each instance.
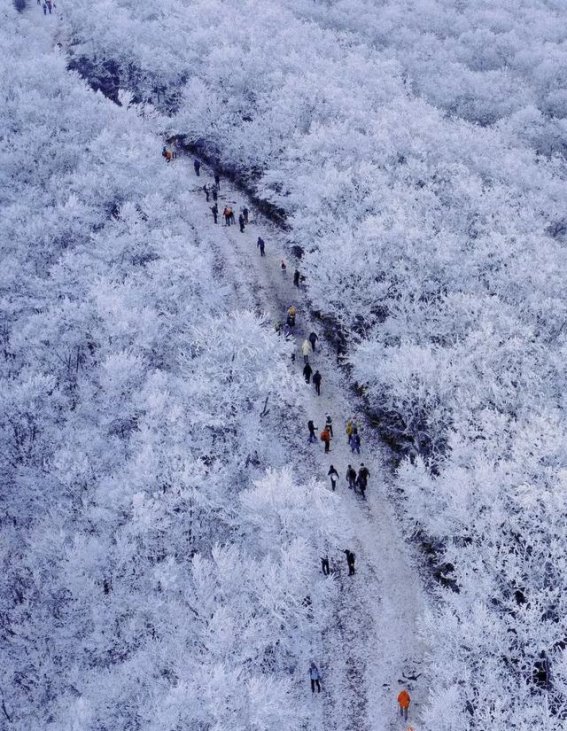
(356, 482)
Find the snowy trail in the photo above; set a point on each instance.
(373, 642)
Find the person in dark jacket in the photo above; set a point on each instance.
(317, 382)
(362, 479)
(350, 557)
(312, 435)
(313, 339)
(351, 477)
(315, 677)
(307, 371)
(355, 441)
(245, 215)
(206, 191)
(325, 565)
(197, 166)
(215, 212)
(241, 223)
(261, 245)
(334, 475)
(296, 278)
(217, 181)
(215, 194)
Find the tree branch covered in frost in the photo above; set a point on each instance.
(143, 585)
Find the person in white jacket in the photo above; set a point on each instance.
(306, 349)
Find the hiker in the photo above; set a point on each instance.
(217, 181)
(197, 166)
(334, 475)
(261, 245)
(231, 213)
(325, 565)
(283, 266)
(326, 439)
(296, 278)
(291, 313)
(215, 193)
(306, 349)
(215, 212)
(226, 215)
(241, 223)
(206, 192)
(355, 441)
(311, 427)
(317, 382)
(362, 479)
(351, 477)
(307, 371)
(315, 678)
(245, 214)
(48, 3)
(329, 424)
(44, 8)
(313, 339)
(350, 557)
(404, 701)
(167, 154)
(349, 430)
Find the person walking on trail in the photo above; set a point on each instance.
(261, 245)
(325, 565)
(355, 441)
(215, 212)
(315, 677)
(217, 181)
(404, 700)
(329, 424)
(307, 371)
(206, 191)
(313, 339)
(231, 213)
(306, 349)
(326, 439)
(197, 166)
(291, 313)
(226, 215)
(349, 429)
(241, 223)
(215, 194)
(351, 477)
(317, 382)
(311, 426)
(350, 558)
(334, 475)
(362, 479)
(296, 278)
(49, 5)
(245, 215)
(283, 266)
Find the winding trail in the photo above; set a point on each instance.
(373, 643)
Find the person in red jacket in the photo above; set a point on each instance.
(326, 438)
(404, 701)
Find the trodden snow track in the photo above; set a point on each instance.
(373, 643)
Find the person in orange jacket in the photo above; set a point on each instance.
(404, 701)
(326, 438)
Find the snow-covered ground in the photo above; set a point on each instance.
(373, 643)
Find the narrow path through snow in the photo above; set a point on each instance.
(373, 643)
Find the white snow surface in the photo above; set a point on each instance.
(373, 644)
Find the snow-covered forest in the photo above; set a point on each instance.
(162, 514)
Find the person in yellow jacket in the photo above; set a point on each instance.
(349, 430)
